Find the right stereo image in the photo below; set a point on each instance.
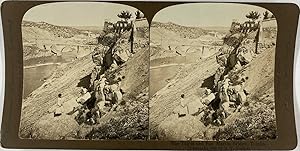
(212, 73)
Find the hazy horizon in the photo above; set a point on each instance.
(206, 14)
(76, 13)
(194, 26)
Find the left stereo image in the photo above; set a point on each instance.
(86, 71)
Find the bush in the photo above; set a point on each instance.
(131, 124)
(254, 124)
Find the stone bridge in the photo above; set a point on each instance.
(202, 47)
(68, 51)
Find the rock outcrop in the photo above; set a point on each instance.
(125, 66)
(185, 128)
(38, 120)
(238, 78)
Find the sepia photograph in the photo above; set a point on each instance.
(86, 72)
(212, 73)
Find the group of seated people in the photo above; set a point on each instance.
(92, 105)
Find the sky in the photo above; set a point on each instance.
(206, 14)
(95, 13)
(76, 13)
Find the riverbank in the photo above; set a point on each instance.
(39, 65)
(43, 60)
(36, 75)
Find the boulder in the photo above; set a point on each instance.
(107, 39)
(222, 59)
(122, 49)
(195, 107)
(208, 98)
(180, 129)
(95, 74)
(194, 104)
(218, 75)
(69, 106)
(65, 108)
(121, 55)
(232, 60)
(233, 40)
(54, 128)
(244, 55)
(98, 54)
(226, 49)
(108, 58)
(181, 110)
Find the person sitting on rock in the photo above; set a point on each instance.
(209, 97)
(224, 97)
(113, 95)
(92, 116)
(100, 96)
(218, 76)
(85, 96)
(241, 97)
(94, 75)
(218, 118)
(59, 110)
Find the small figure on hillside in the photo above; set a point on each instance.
(113, 95)
(59, 110)
(218, 118)
(223, 91)
(92, 116)
(238, 96)
(182, 109)
(224, 105)
(100, 96)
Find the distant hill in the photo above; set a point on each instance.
(220, 29)
(93, 29)
(38, 37)
(60, 31)
(183, 31)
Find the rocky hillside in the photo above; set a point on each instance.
(253, 119)
(41, 39)
(59, 31)
(183, 31)
(176, 40)
(128, 121)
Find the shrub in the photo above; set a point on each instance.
(253, 124)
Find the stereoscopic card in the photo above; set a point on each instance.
(149, 75)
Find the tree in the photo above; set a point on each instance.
(138, 14)
(272, 16)
(125, 15)
(266, 15)
(253, 15)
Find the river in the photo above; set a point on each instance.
(162, 70)
(37, 70)
(160, 77)
(34, 77)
